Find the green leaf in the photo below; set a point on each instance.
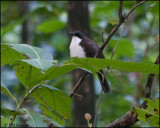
(125, 47)
(38, 120)
(14, 112)
(50, 26)
(7, 92)
(59, 71)
(33, 71)
(154, 8)
(10, 52)
(95, 64)
(55, 103)
(150, 114)
(42, 64)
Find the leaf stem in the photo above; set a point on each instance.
(12, 118)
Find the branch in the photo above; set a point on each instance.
(120, 10)
(124, 121)
(12, 118)
(98, 104)
(78, 84)
(134, 7)
(150, 81)
(114, 49)
(99, 51)
(128, 119)
(102, 36)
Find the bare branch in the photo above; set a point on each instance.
(98, 104)
(150, 81)
(127, 120)
(118, 42)
(124, 121)
(134, 7)
(80, 96)
(102, 36)
(120, 10)
(78, 84)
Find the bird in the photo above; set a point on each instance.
(82, 47)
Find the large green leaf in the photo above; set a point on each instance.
(125, 47)
(33, 71)
(38, 120)
(55, 103)
(10, 52)
(150, 114)
(7, 92)
(59, 71)
(95, 64)
(51, 26)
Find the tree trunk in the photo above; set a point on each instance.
(23, 7)
(78, 20)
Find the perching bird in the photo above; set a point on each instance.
(82, 47)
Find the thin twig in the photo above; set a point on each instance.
(78, 84)
(134, 7)
(80, 96)
(114, 49)
(120, 10)
(102, 36)
(98, 104)
(150, 81)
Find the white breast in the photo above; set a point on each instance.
(75, 49)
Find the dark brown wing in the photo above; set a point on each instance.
(90, 47)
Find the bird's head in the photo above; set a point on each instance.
(77, 34)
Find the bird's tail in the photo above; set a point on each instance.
(104, 82)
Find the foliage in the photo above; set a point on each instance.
(38, 120)
(57, 102)
(150, 114)
(123, 44)
(7, 92)
(32, 72)
(10, 52)
(94, 65)
(50, 26)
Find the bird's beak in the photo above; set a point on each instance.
(72, 33)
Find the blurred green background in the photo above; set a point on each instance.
(44, 24)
